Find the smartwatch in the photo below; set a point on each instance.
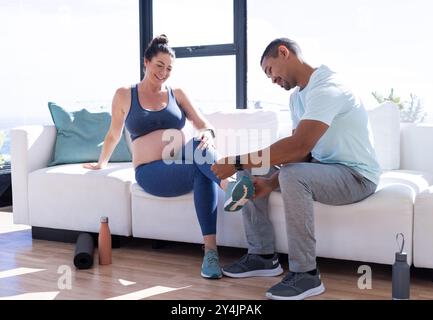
(238, 165)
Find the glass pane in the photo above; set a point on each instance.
(209, 82)
(194, 22)
(5, 148)
(374, 45)
(75, 53)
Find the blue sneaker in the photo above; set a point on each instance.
(238, 193)
(210, 269)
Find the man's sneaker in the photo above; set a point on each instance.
(253, 265)
(297, 286)
(210, 269)
(238, 193)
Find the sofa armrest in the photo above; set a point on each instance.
(423, 226)
(31, 149)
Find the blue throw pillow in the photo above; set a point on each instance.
(80, 136)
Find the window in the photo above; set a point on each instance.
(375, 45)
(75, 52)
(209, 38)
(211, 81)
(5, 146)
(194, 22)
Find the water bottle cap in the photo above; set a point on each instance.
(401, 256)
(104, 219)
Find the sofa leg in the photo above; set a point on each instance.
(119, 241)
(158, 244)
(70, 236)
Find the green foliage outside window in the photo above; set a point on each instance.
(410, 110)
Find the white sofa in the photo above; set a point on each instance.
(68, 197)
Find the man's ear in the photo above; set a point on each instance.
(283, 51)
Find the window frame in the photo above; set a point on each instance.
(237, 48)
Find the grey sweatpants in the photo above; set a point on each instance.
(301, 184)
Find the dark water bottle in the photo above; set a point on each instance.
(400, 274)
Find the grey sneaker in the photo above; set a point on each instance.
(253, 265)
(297, 286)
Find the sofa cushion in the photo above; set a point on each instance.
(175, 219)
(80, 136)
(73, 198)
(164, 218)
(417, 181)
(385, 125)
(340, 230)
(390, 206)
(362, 231)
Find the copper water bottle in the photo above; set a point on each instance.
(104, 242)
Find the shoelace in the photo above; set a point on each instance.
(211, 258)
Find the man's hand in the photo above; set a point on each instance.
(224, 168)
(262, 187)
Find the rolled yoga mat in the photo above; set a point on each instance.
(83, 257)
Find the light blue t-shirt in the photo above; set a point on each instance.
(348, 139)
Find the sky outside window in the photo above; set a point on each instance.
(375, 45)
(194, 22)
(210, 82)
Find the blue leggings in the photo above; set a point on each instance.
(181, 177)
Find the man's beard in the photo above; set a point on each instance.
(287, 86)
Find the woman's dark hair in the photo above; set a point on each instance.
(157, 45)
(272, 49)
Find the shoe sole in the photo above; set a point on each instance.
(256, 273)
(232, 205)
(213, 277)
(309, 293)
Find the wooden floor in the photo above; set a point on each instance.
(172, 272)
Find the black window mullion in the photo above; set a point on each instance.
(146, 29)
(240, 36)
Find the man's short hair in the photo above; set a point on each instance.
(272, 49)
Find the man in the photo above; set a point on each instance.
(329, 158)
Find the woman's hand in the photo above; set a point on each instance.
(94, 166)
(207, 140)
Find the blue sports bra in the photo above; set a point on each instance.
(140, 121)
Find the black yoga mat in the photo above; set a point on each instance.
(83, 257)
